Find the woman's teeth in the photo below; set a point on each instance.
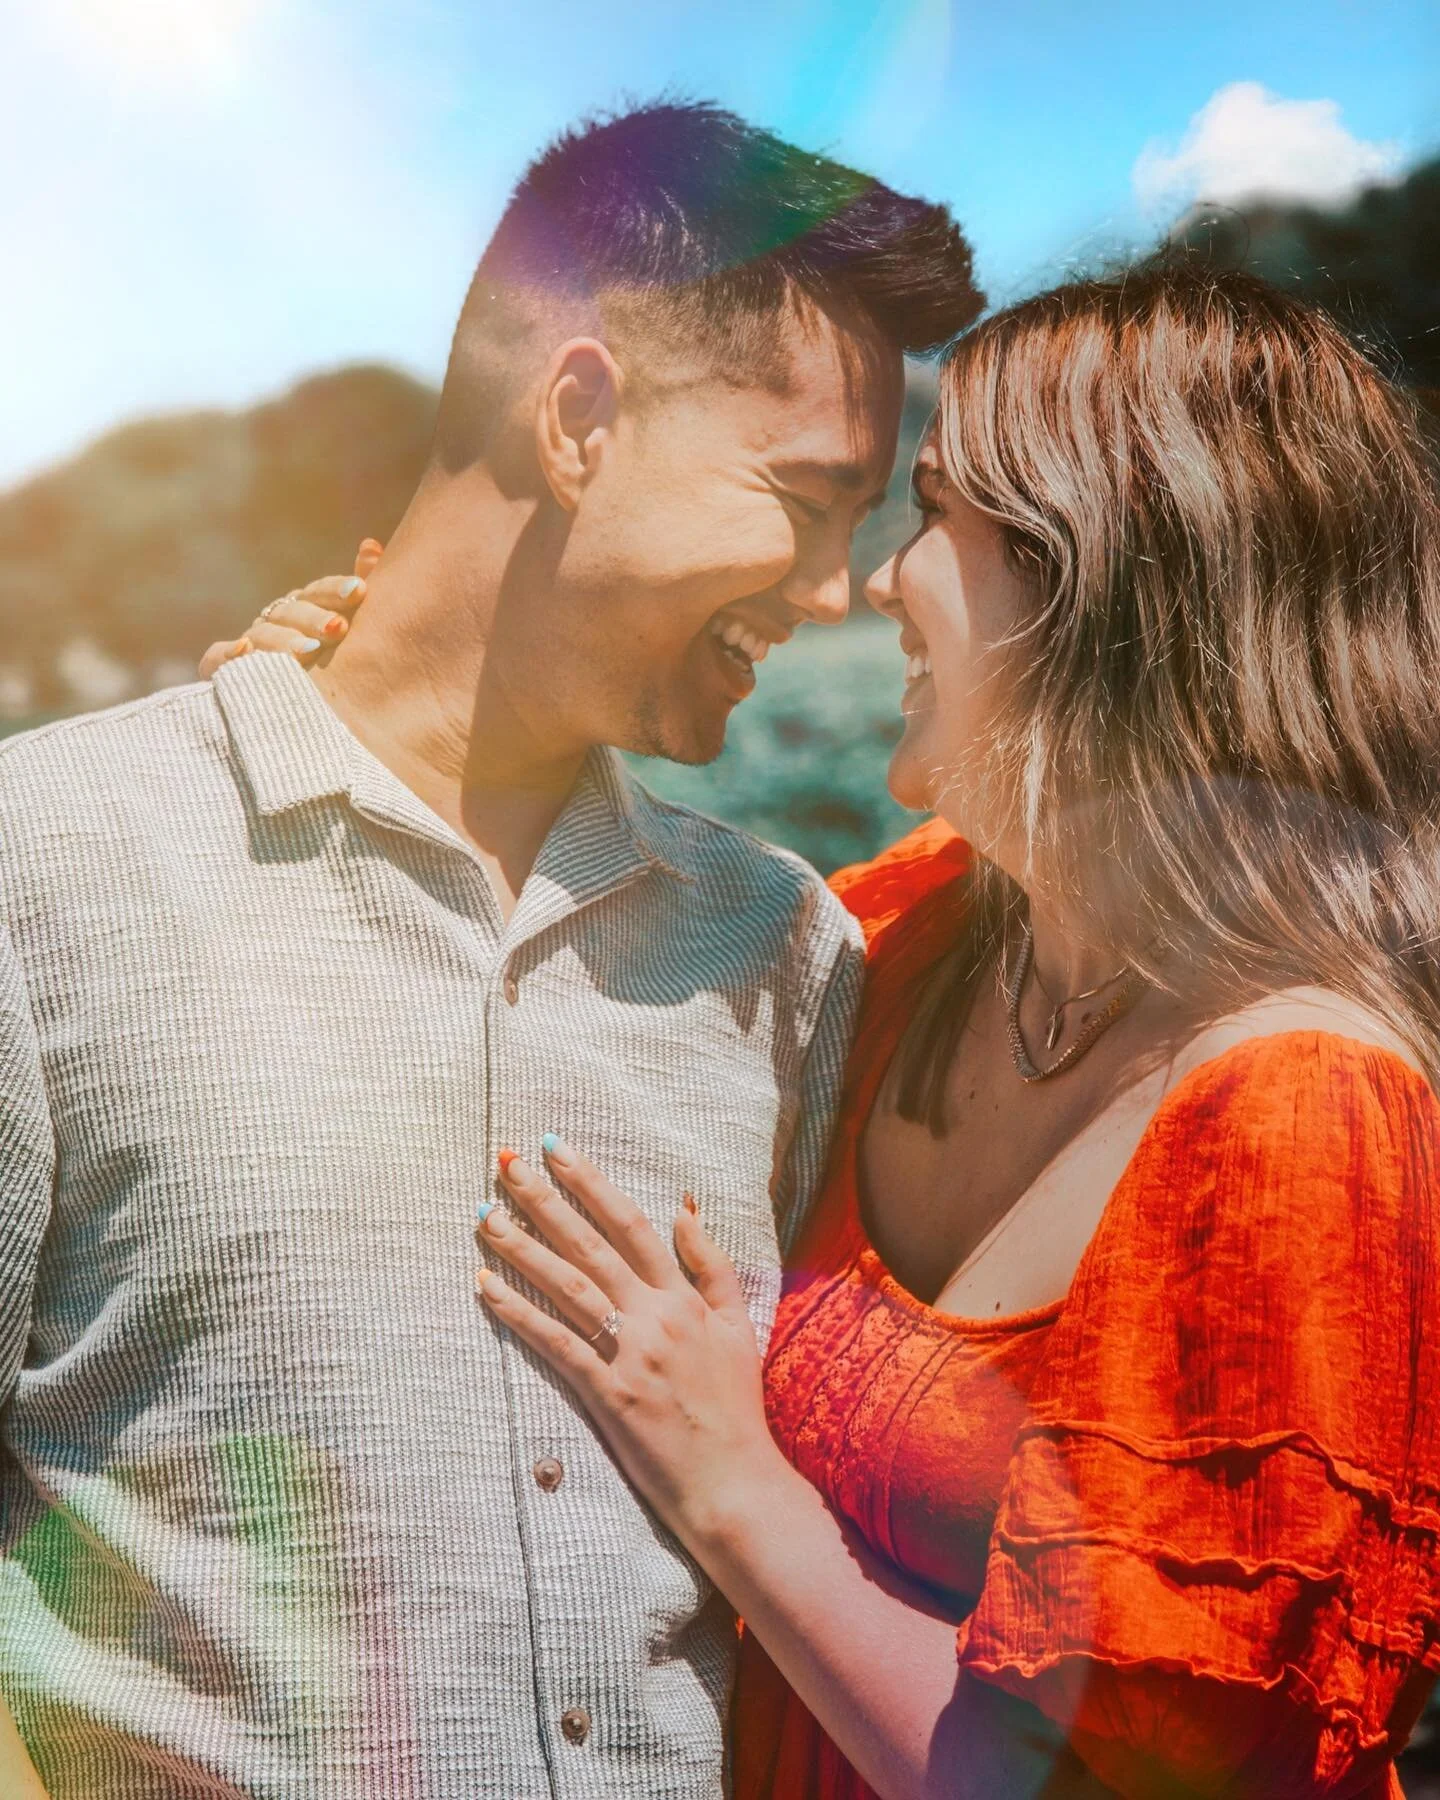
(736, 636)
(917, 665)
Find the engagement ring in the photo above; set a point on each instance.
(609, 1326)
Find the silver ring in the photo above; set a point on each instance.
(267, 612)
(609, 1327)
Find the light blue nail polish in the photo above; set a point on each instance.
(306, 645)
(550, 1143)
(348, 586)
(484, 1210)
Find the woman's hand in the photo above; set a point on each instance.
(305, 620)
(675, 1388)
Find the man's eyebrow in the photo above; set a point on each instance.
(847, 476)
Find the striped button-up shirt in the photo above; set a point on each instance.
(284, 1513)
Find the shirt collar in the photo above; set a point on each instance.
(293, 749)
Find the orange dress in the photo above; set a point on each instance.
(1191, 1511)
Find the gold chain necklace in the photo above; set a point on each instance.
(1124, 998)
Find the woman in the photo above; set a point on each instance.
(1103, 1440)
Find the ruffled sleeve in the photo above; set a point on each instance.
(1215, 1562)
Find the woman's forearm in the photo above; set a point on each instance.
(867, 1652)
(18, 1780)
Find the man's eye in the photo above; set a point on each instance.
(812, 509)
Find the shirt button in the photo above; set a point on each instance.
(549, 1472)
(575, 1723)
(512, 990)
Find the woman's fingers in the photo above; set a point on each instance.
(561, 1347)
(333, 593)
(580, 1246)
(615, 1213)
(716, 1281)
(318, 611)
(270, 634)
(575, 1295)
(226, 650)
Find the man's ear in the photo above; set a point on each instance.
(576, 410)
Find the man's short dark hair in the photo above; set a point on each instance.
(681, 224)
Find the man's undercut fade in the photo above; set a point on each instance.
(688, 238)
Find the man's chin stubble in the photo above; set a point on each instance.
(652, 734)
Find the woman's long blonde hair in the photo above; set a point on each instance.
(1221, 734)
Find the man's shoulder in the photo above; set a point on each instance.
(176, 711)
(739, 873)
(84, 764)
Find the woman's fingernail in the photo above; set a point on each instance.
(553, 1148)
(350, 585)
(306, 645)
(496, 1221)
(336, 627)
(505, 1158)
(489, 1287)
(687, 1200)
(484, 1210)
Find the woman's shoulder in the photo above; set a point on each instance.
(1294, 1156)
(893, 885)
(1267, 1024)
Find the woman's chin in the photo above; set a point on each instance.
(908, 781)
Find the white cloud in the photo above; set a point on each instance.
(1246, 143)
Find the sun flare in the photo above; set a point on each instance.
(158, 38)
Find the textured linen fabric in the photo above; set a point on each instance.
(267, 1507)
(1190, 1511)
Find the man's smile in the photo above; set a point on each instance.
(744, 643)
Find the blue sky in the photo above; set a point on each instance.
(205, 199)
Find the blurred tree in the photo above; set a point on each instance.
(168, 533)
(1374, 264)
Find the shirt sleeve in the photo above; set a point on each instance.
(820, 1084)
(27, 1163)
(1215, 1561)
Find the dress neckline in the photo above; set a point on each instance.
(877, 1272)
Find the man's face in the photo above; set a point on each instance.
(719, 520)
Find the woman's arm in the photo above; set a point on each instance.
(18, 1780)
(867, 1656)
(677, 1395)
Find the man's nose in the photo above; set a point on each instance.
(882, 589)
(822, 595)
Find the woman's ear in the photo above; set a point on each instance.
(576, 410)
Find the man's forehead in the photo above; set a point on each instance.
(837, 411)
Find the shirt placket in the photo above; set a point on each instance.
(589, 856)
(558, 1487)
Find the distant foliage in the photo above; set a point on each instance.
(117, 569)
(1374, 265)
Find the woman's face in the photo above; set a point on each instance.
(956, 597)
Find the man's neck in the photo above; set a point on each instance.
(411, 681)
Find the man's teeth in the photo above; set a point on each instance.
(738, 637)
(917, 664)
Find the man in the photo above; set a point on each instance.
(287, 961)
